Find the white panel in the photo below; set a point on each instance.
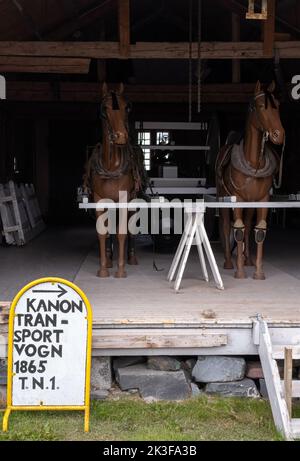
(49, 354)
(171, 126)
(2, 87)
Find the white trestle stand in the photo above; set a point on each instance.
(194, 233)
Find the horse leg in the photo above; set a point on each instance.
(249, 213)
(122, 237)
(121, 273)
(103, 272)
(260, 235)
(109, 252)
(132, 259)
(239, 235)
(102, 237)
(225, 229)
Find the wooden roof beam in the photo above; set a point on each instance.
(148, 50)
(17, 64)
(124, 27)
(92, 92)
(84, 19)
(269, 30)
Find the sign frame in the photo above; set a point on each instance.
(10, 373)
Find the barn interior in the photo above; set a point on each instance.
(180, 62)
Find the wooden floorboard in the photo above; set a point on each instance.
(146, 299)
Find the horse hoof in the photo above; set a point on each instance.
(132, 261)
(228, 265)
(260, 276)
(103, 273)
(120, 275)
(240, 275)
(109, 264)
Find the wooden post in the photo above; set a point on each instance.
(269, 30)
(101, 63)
(124, 28)
(288, 378)
(236, 65)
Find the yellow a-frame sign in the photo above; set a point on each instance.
(49, 349)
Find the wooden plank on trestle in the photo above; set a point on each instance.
(44, 65)
(145, 339)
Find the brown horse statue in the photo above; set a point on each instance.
(247, 170)
(113, 169)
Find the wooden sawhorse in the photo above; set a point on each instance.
(194, 231)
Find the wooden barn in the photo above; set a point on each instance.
(189, 69)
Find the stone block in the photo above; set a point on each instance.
(196, 391)
(2, 396)
(155, 384)
(3, 373)
(263, 389)
(101, 375)
(243, 388)
(189, 364)
(218, 369)
(163, 363)
(122, 362)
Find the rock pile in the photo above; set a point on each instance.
(173, 378)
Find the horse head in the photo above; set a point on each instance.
(114, 110)
(266, 108)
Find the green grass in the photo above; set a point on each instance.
(131, 419)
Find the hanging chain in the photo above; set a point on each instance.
(190, 59)
(199, 55)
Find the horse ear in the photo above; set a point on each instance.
(121, 88)
(104, 89)
(272, 87)
(258, 87)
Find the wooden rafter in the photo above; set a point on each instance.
(148, 50)
(84, 19)
(27, 18)
(124, 27)
(269, 30)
